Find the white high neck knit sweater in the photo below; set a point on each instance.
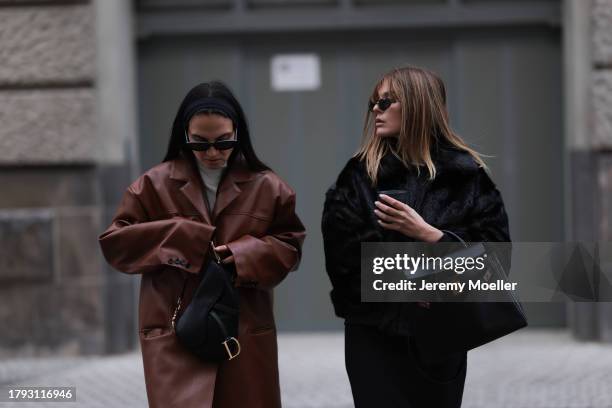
(211, 179)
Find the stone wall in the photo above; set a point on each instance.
(602, 74)
(591, 161)
(56, 294)
(602, 140)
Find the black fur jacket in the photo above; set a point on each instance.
(462, 198)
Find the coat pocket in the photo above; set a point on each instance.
(152, 332)
(240, 223)
(171, 371)
(262, 330)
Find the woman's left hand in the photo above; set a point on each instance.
(400, 217)
(225, 254)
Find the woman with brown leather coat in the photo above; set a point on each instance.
(163, 230)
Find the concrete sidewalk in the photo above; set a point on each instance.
(529, 369)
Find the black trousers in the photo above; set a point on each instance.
(388, 371)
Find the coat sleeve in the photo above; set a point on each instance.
(134, 244)
(487, 220)
(265, 261)
(344, 229)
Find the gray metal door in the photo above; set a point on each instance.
(504, 98)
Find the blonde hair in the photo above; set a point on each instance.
(422, 97)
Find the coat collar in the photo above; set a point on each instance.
(185, 170)
(446, 158)
(449, 159)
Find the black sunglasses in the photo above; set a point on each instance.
(217, 144)
(383, 104)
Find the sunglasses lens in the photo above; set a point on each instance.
(225, 144)
(199, 146)
(384, 104)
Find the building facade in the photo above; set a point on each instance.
(88, 90)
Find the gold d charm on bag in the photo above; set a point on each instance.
(228, 350)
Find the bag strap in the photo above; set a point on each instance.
(456, 236)
(212, 248)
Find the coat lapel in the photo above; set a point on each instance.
(193, 190)
(228, 191)
(229, 188)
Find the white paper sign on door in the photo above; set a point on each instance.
(295, 72)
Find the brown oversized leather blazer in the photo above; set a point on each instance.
(162, 230)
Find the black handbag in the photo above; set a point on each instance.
(448, 327)
(209, 325)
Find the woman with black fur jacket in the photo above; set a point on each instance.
(408, 145)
